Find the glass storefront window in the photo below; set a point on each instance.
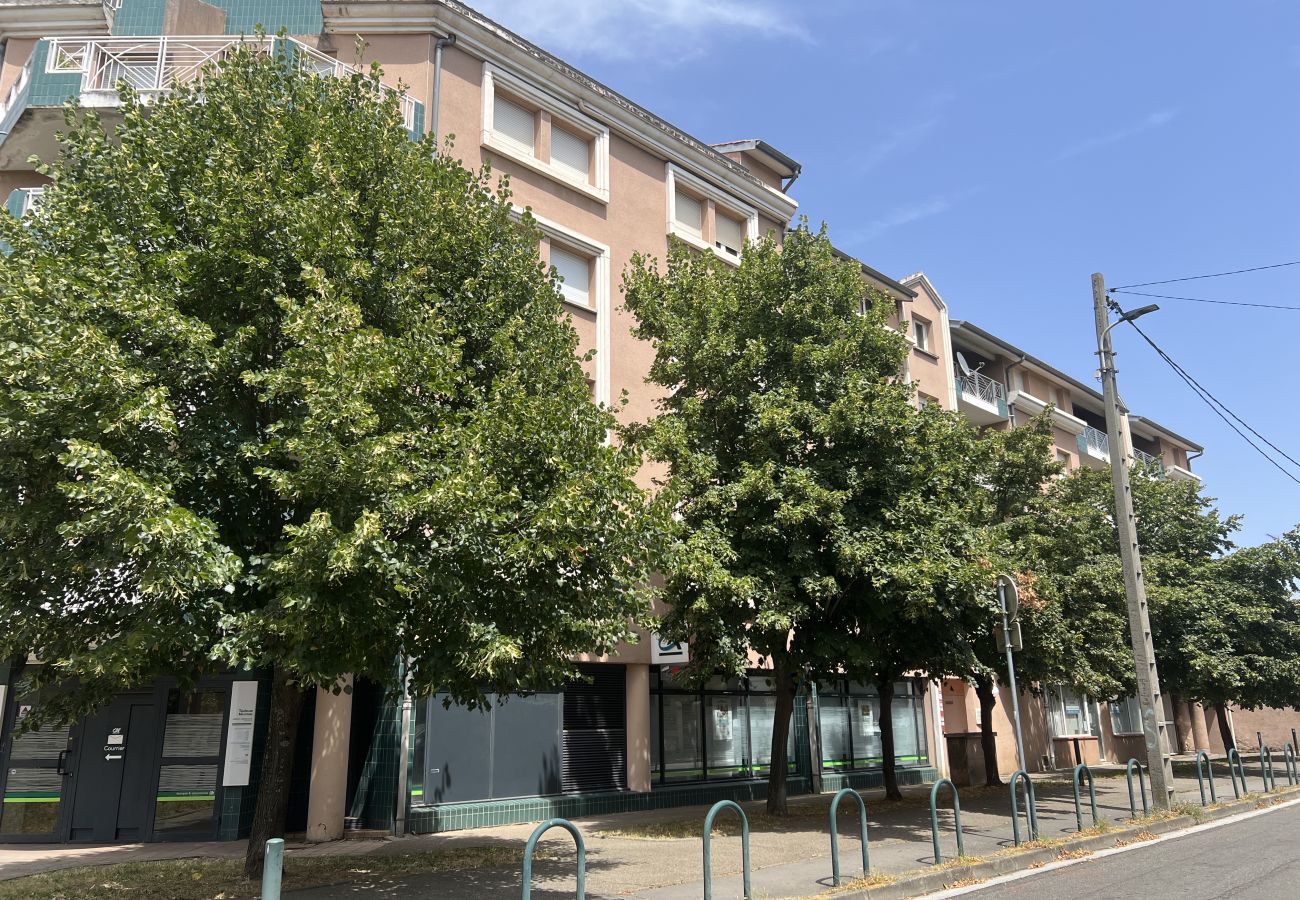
(187, 777)
(33, 792)
(723, 730)
(850, 725)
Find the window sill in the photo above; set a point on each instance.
(934, 357)
(555, 173)
(703, 246)
(1126, 734)
(585, 307)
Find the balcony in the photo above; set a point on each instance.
(983, 400)
(90, 69)
(1150, 460)
(1094, 447)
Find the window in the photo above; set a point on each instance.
(1125, 716)
(720, 732)
(521, 121)
(187, 777)
(1063, 458)
(921, 333)
(849, 713)
(728, 235)
(514, 124)
(1071, 711)
(571, 151)
(706, 218)
(689, 214)
(575, 270)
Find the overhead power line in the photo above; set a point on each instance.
(1203, 300)
(1219, 409)
(1211, 275)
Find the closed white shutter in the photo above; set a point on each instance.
(576, 272)
(512, 122)
(689, 214)
(730, 234)
(571, 152)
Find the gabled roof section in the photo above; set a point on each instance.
(771, 157)
(922, 279)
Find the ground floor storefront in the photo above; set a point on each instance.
(165, 763)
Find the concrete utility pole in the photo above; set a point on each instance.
(1139, 621)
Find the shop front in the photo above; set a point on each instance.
(155, 764)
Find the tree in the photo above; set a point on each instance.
(284, 389)
(799, 469)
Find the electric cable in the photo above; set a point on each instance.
(1203, 300)
(1212, 275)
(1215, 405)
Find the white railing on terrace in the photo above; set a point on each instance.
(982, 388)
(32, 198)
(1097, 440)
(1149, 459)
(112, 5)
(155, 65)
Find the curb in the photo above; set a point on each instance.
(932, 882)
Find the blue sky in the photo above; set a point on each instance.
(1010, 149)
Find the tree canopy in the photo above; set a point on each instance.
(284, 388)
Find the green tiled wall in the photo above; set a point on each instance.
(238, 803)
(46, 89)
(14, 206)
(374, 804)
(145, 17)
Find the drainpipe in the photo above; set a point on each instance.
(447, 41)
(1006, 376)
(785, 189)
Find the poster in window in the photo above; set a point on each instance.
(721, 720)
(866, 719)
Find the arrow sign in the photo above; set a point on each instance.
(111, 757)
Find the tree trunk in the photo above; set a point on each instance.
(1184, 742)
(781, 723)
(1225, 727)
(988, 740)
(885, 689)
(277, 769)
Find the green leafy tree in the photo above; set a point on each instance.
(284, 389)
(817, 507)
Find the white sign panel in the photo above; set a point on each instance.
(239, 737)
(666, 652)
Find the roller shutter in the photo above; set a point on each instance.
(595, 731)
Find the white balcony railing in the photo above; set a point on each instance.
(983, 389)
(1098, 442)
(1149, 459)
(32, 198)
(155, 65)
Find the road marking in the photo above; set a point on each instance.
(1109, 851)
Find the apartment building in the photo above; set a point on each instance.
(604, 178)
(998, 385)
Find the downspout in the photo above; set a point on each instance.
(447, 41)
(1006, 377)
(785, 189)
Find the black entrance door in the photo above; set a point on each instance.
(115, 771)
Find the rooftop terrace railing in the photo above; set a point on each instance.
(154, 65)
(976, 386)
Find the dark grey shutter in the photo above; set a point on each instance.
(595, 731)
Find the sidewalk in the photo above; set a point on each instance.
(657, 855)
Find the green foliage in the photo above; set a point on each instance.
(280, 385)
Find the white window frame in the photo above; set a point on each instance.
(713, 198)
(923, 328)
(598, 293)
(1136, 707)
(567, 116)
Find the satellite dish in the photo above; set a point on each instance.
(965, 367)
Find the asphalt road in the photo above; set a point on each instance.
(1254, 859)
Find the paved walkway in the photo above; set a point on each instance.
(791, 858)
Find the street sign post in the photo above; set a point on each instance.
(1009, 601)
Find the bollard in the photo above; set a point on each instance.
(1233, 773)
(1142, 787)
(273, 869)
(835, 836)
(1200, 779)
(934, 818)
(1288, 756)
(1031, 813)
(744, 847)
(1082, 769)
(531, 846)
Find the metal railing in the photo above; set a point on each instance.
(155, 65)
(1097, 441)
(1149, 459)
(982, 388)
(32, 198)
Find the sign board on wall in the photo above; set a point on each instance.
(239, 737)
(665, 652)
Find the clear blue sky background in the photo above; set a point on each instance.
(1009, 150)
